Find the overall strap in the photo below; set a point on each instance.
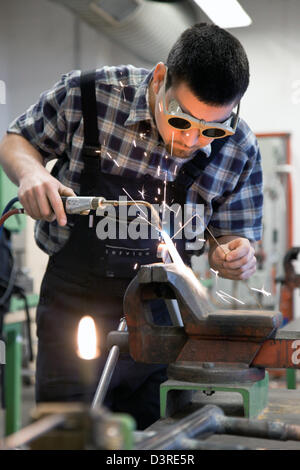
(89, 113)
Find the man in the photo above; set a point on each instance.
(173, 126)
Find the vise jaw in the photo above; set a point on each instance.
(230, 338)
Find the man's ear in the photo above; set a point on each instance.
(158, 76)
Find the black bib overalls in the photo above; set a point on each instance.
(89, 276)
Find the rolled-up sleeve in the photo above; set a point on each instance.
(45, 123)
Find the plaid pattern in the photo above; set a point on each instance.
(131, 146)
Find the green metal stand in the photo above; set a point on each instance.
(174, 394)
(291, 381)
(13, 383)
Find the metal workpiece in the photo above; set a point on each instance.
(193, 431)
(261, 429)
(108, 370)
(203, 421)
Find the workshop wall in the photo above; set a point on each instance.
(272, 103)
(39, 41)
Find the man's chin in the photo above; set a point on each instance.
(181, 152)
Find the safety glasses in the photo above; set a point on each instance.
(182, 121)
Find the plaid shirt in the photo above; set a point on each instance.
(131, 146)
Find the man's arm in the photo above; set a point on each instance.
(39, 192)
(234, 258)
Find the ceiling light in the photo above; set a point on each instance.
(225, 13)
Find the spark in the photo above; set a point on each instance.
(135, 266)
(187, 222)
(172, 143)
(134, 143)
(216, 273)
(175, 170)
(141, 210)
(158, 170)
(177, 211)
(230, 296)
(223, 298)
(142, 193)
(112, 159)
(158, 190)
(159, 107)
(261, 291)
(145, 153)
(134, 202)
(165, 196)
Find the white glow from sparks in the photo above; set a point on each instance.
(261, 291)
(172, 143)
(223, 298)
(87, 338)
(230, 297)
(172, 250)
(142, 193)
(145, 153)
(216, 273)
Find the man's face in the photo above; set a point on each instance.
(182, 143)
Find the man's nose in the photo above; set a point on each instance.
(193, 137)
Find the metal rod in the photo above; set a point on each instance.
(195, 444)
(201, 421)
(261, 429)
(108, 370)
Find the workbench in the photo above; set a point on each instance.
(283, 405)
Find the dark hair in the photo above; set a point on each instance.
(212, 62)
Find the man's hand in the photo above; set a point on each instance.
(39, 194)
(233, 259)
